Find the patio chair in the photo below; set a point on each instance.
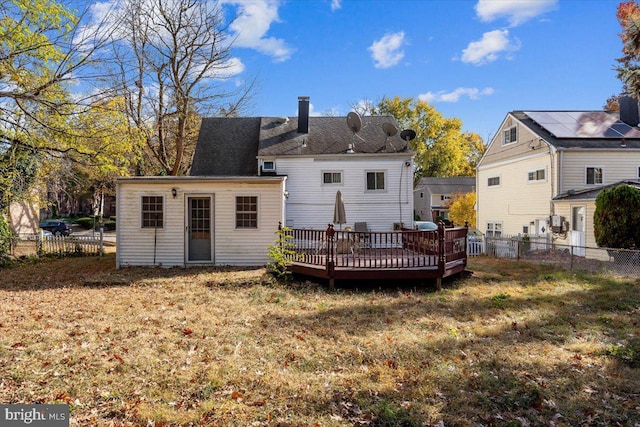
(362, 237)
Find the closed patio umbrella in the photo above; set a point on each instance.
(339, 215)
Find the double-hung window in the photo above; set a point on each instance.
(246, 212)
(594, 175)
(152, 211)
(331, 177)
(510, 135)
(375, 181)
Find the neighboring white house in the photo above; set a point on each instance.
(275, 169)
(539, 160)
(432, 195)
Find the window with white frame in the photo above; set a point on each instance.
(246, 212)
(537, 175)
(494, 229)
(510, 135)
(525, 229)
(493, 181)
(152, 211)
(332, 177)
(594, 175)
(269, 165)
(375, 181)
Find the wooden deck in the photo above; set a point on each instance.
(404, 254)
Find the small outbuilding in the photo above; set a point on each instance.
(191, 220)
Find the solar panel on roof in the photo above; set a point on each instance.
(583, 124)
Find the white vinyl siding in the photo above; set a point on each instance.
(617, 165)
(231, 246)
(514, 202)
(311, 203)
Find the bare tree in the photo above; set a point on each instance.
(173, 57)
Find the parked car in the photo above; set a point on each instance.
(426, 226)
(56, 227)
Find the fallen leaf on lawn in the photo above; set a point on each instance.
(118, 358)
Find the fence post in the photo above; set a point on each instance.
(101, 251)
(571, 262)
(331, 267)
(441, 256)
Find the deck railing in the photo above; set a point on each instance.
(399, 249)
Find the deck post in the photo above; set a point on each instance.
(331, 266)
(441, 257)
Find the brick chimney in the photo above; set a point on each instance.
(303, 114)
(629, 110)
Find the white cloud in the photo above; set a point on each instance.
(336, 4)
(250, 27)
(387, 52)
(454, 96)
(515, 11)
(488, 48)
(225, 70)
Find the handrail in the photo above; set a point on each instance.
(330, 248)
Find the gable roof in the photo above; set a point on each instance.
(440, 185)
(592, 193)
(580, 129)
(227, 146)
(327, 135)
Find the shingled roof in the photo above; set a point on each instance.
(581, 129)
(592, 193)
(231, 146)
(227, 146)
(327, 135)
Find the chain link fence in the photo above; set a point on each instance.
(623, 262)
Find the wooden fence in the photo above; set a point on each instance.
(37, 244)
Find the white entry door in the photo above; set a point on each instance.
(578, 214)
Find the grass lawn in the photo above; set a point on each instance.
(513, 345)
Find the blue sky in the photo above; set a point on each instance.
(475, 60)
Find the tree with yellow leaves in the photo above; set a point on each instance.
(442, 148)
(462, 209)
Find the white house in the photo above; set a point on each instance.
(250, 174)
(539, 161)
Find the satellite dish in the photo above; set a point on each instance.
(408, 134)
(354, 122)
(389, 129)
